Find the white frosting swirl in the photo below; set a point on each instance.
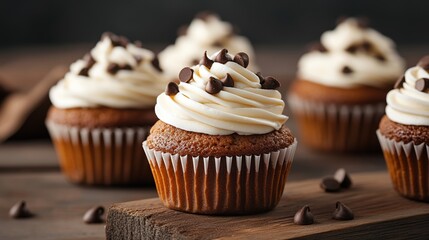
(244, 109)
(136, 88)
(211, 35)
(407, 105)
(326, 67)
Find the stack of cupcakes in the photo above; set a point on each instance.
(338, 97)
(102, 110)
(220, 146)
(404, 133)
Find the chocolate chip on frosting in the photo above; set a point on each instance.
(424, 62)
(186, 74)
(318, 46)
(223, 57)
(270, 83)
(380, 57)
(214, 86)
(116, 40)
(126, 67)
(171, 89)
(422, 84)
(138, 59)
(261, 78)
(206, 61)
(399, 82)
(90, 61)
(347, 70)
(227, 81)
(113, 68)
(352, 48)
(242, 59)
(155, 63)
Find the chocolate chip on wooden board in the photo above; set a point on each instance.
(342, 212)
(330, 184)
(303, 216)
(171, 89)
(343, 178)
(19, 210)
(94, 215)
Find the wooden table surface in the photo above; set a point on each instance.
(29, 169)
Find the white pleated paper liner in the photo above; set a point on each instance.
(228, 185)
(408, 166)
(101, 156)
(337, 127)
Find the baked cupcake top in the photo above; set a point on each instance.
(408, 103)
(352, 55)
(220, 96)
(205, 33)
(116, 73)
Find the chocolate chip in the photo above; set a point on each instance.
(270, 83)
(84, 72)
(366, 46)
(347, 70)
(261, 78)
(318, 46)
(115, 39)
(363, 22)
(352, 48)
(303, 216)
(19, 210)
(126, 67)
(380, 57)
(223, 57)
(242, 59)
(186, 74)
(90, 61)
(138, 44)
(342, 212)
(341, 19)
(330, 184)
(171, 89)
(204, 15)
(227, 81)
(138, 59)
(214, 86)
(113, 68)
(424, 62)
(422, 84)
(206, 61)
(155, 64)
(94, 215)
(343, 178)
(399, 82)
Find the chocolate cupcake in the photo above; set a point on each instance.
(220, 146)
(102, 110)
(206, 32)
(404, 133)
(338, 96)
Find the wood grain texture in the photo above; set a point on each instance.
(379, 213)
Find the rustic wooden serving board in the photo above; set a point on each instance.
(379, 213)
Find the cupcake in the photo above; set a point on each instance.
(207, 32)
(338, 97)
(102, 110)
(404, 133)
(220, 146)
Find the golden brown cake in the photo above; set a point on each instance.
(102, 110)
(404, 133)
(338, 95)
(220, 146)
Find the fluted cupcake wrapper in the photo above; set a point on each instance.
(337, 127)
(221, 185)
(408, 166)
(101, 156)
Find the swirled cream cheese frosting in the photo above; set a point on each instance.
(205, 33)
(352, 55)
(408, 103)
(220, 97)
(116, 74)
